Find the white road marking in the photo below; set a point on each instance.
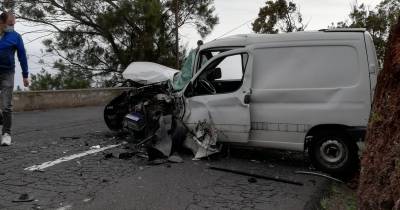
(68, 158)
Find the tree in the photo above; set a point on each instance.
(380, 168)
(102, 37)
(59, 81)
(279, 16)
(200, 14)
(378, 22)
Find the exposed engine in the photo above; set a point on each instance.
(138, 110)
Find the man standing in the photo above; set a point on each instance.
(10, 41)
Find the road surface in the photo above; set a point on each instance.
(73, 171)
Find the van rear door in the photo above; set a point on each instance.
(220, 94)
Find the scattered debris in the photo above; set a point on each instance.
(157, 162)
(70, 137)
(252, 180)
(24, 198)
(276, 178)
(108, 156)
(318, 174)
(142, 155)
(175, 158)
(67, 207)
(36, 206)
(87, 200)
(95, 147)
(126, 155)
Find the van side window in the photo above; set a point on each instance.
(225, 75)
(207, 54)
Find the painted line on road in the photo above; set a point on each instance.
(71, 157)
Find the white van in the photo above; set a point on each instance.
(298, 91)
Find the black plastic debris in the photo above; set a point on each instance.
(157, 162)
(271, 178)
(25, 197)
(126, 155)
(70, 137)
(108, 156)
(252, 180)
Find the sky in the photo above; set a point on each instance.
(235, 17)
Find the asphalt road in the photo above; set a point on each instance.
(96, 182)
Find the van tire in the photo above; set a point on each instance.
(334, 152)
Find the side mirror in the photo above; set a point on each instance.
(215, 74)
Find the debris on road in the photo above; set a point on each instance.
(175, 158)
(87, 200)
(126, 155)
(318, 174)
(276, 178)
(70, 137)
(25, 197)
(108, 156)
(252, 180)
(95, 147)
(157, 162)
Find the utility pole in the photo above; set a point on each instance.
(177, 33)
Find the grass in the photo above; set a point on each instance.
(340, 197)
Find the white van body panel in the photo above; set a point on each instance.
(300, 85)
(299, 81)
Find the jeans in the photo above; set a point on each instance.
(6, 88)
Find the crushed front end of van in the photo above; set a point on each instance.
(151, 114)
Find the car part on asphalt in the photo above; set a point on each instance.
(25, 197)
(318, 174)
(276, 178)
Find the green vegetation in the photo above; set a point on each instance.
(340, 197)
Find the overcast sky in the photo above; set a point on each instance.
(233, 14)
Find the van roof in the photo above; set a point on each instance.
(241, 40)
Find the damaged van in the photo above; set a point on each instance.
(303, 91)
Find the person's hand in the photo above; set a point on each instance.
(26, 82)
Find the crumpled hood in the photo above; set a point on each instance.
(148, 73)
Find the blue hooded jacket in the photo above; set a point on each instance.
(9, 43)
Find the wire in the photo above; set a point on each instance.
(236, 28)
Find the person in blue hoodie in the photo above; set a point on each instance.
(10, 42)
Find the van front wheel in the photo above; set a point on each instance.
(333, 152)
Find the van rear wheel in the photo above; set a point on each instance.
(334, 152)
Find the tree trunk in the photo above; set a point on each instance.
(380, 167)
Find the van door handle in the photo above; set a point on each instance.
(247, 99)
